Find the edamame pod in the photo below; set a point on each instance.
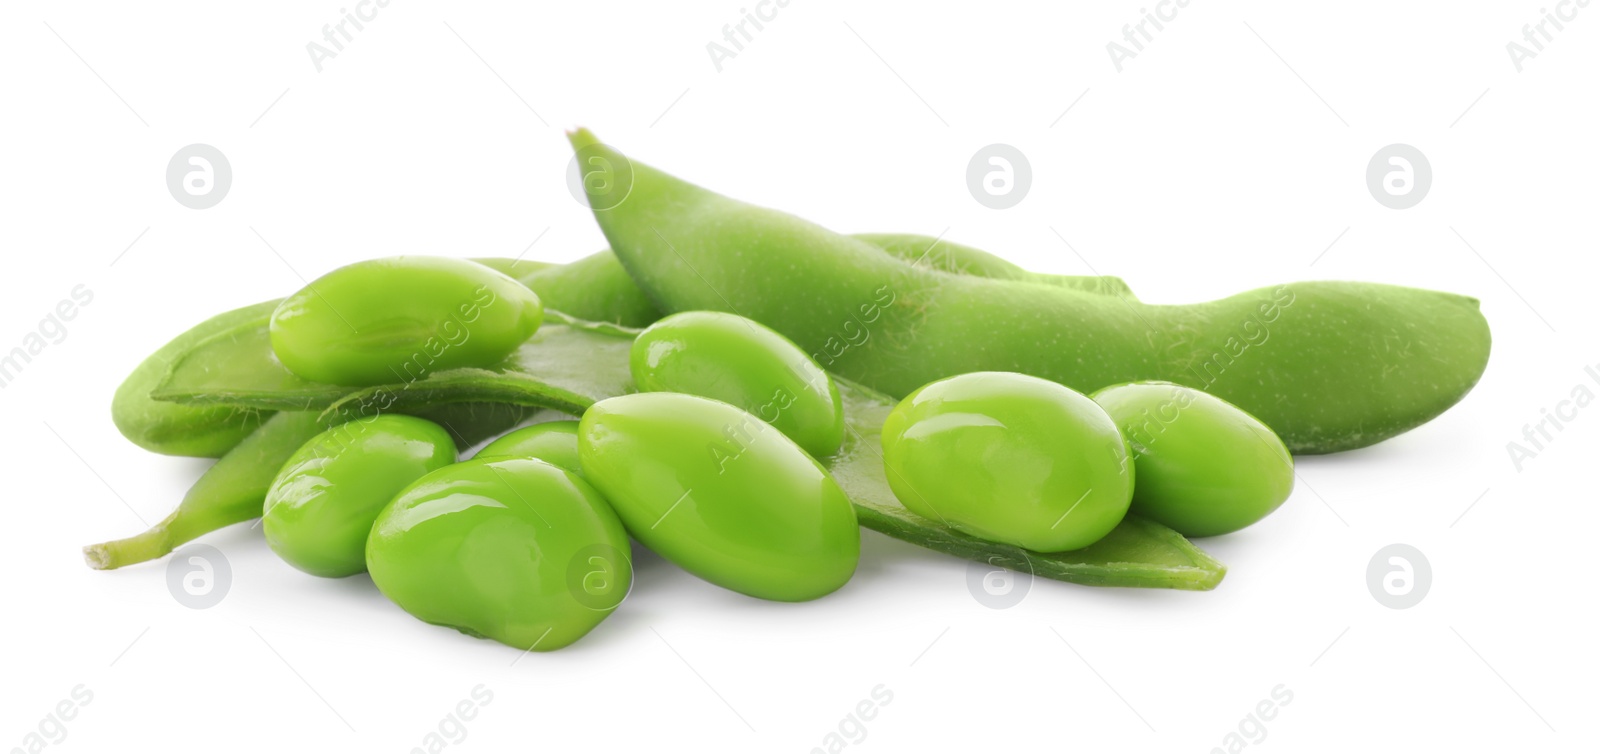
(229, 492)
(178, 430)
(234, 488)
(598, 289)
(594, 288)
(570, 366)
(1327, 365)
(960, 259)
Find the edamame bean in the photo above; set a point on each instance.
(1138, 553)
(322, 504)
(512, 549)
(1010, 458)
(722, 494)
(552, 442)
(735, 360)
(1205, 467)
(1328, 365)
(400, 319)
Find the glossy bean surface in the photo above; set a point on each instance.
(1009, 458)
(552, 442)
(722, 494)
(739, 361)
(322, 503)
(1205, 467)
(400, 319)
(511, 549)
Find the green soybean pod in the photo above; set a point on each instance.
(176, 429)
(235, 488)
(229, 492)
(736, 360)
(1009, 458)
(597, 288)
(322, 503)
(722, 494)
(1205, 466)
(400, 319)
(511, 549)
(552, 442)
(959, 259)
(1328, 365)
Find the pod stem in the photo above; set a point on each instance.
(179, 527)
(233, 490)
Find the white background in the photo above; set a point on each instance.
(1228, 155)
